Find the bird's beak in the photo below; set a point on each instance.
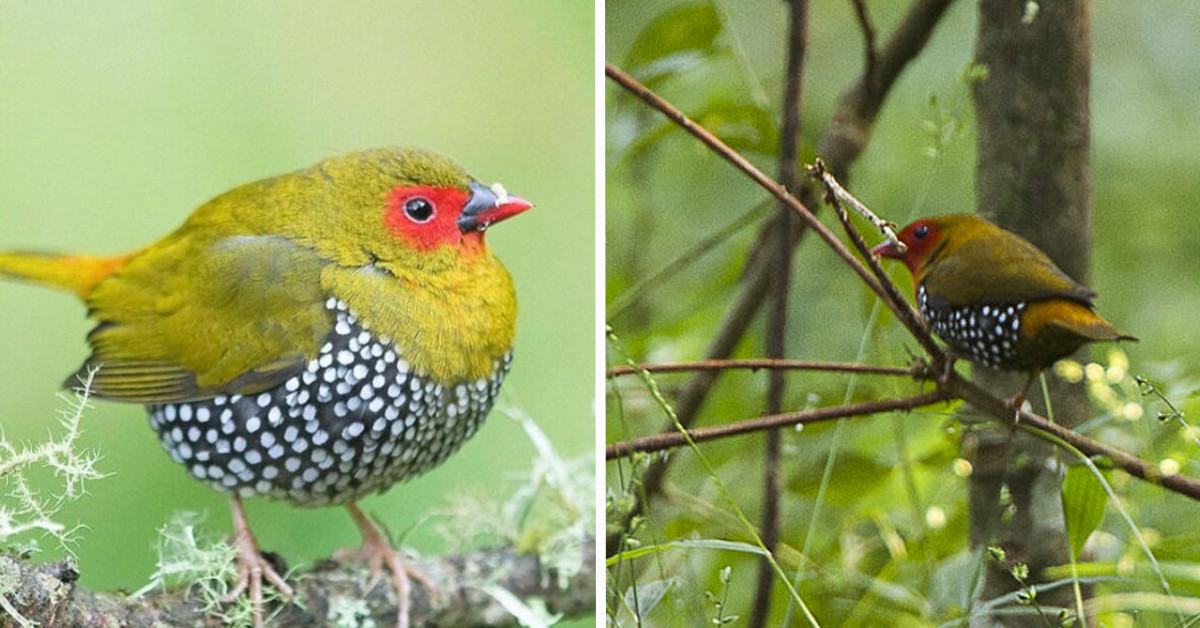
(489, 205)
(888, 249)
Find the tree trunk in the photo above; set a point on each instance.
(1033, 177)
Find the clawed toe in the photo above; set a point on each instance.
(1015, 403)
(253, 567)
(378, 553)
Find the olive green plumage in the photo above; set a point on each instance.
(233, 301)
(973, 261)
(995, 297)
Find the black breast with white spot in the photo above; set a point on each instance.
(987, 334)
(357, 420)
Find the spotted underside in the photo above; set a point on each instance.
(987, 334)
(355, 421)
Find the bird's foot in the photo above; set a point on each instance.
(378, 553)
(947, 369)
(253, 567)
(1016, 403)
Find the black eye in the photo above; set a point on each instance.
(921, 231)
(418, 209)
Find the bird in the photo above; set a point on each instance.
(994, 297)
(315, 337)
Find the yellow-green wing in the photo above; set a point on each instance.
(999, 268)
(195, 317)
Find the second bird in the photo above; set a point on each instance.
(993, 296)
(314, 337)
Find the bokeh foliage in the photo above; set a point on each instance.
(889, 545)
(118, 118)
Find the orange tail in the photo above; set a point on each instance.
(1075, 318)
(76, 274)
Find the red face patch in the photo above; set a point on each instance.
(921, 238)
(425, 217)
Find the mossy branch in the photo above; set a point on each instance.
(330, 594)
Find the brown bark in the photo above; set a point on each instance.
(1034, 178)
(777, 312)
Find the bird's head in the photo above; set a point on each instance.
(927, 238)
(407, 207)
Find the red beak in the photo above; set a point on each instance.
(888, 249)
(488, 206)
(514, 206)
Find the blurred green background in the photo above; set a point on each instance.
(894, 482)
(117, 119)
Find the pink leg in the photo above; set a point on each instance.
(377, 552)
(1016, 401)
(251, 565)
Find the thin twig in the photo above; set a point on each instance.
(777, 314)
(692, 397)
(741, 163)
(670, 440)
(899, 305)
(954, 387)
(756, 364)
(996, 408)
(868, 31)
(819, 172)
(849, 129)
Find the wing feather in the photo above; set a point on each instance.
(196, 317)
(999, 268)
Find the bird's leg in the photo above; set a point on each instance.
(947, 368)
(1016, 401)
(251, 565)
(377, 552)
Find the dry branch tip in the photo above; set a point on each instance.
(837, 195)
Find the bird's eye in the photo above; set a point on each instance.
(418, 209)
(921, 231)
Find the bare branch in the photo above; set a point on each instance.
(819, 172)
(954, 387)
(868, 31)
(750, 170)
(997, 408)
(850, 128)
(904, 311)
(670, 440)
(781, 279)
(767, 364)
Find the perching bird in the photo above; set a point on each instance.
(994, 297)
(314, 337)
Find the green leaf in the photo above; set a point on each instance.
(680, 38)
(711, 544)
(744, 127)
(1084, 503)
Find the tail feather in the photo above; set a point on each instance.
(1095, 329)
(76, 274)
